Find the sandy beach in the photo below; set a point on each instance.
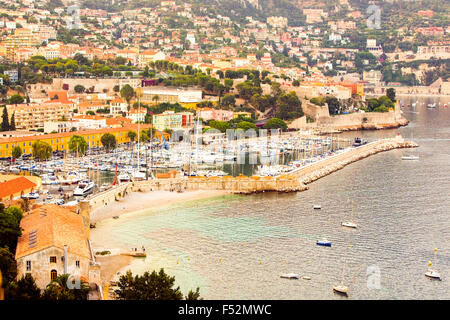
(137, 201)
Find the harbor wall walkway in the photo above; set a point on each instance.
(295, 180)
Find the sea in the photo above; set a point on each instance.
(236, 247)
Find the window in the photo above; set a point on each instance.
(77, 263)
(53, 259)
(53, 274)
(28, 265)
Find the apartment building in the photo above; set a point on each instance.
(60, 141)
(173, 121)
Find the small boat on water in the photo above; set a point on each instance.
(431, 106)
(324, 243)
(410, 157)
(340, 289)
(350, 224)
(306, 278)
(317, 207)
(31, 195)
(124, 177)
(358, 142)
(84, 188)
(432, 273)
(290, 276)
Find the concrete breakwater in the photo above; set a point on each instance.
(295, 180)
(237, 185)
(323, 168)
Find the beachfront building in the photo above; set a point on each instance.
(60, 141)
(173, 121)
(170, 95)
(54, 241)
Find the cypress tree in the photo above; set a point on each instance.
(5, 121)
(12, 125)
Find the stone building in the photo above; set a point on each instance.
(55, 241)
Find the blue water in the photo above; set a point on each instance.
(236, 247)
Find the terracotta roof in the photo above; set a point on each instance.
(52, 226)
(14, 186)
(62, 97)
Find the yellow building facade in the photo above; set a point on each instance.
(60, 141)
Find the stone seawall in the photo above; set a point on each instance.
(325, 167)
(238, 185)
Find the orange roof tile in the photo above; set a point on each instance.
(54, 226)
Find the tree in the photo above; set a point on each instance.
(275, 123)
(132, 135)
(5, 120)
(391, 94)
(228, 100)
(193, 295)
(10, 229)
(127, 93)
(334, 106)
(16, 152)
(154, 286)
(222, 126)
(58, 290)
(41, 150)
(245, 125)
(296, 83)
(24, 289)
(12, 124)
(8, 265)
(79, 88)
(289, 106)
(116, 88)
(109, 141)
(78, 145)
(143, 137)
(16, 99)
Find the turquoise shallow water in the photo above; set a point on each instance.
(236, 247)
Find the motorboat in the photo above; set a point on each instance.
(324, 243)
(105, 186)
(84, 188)
(317, 207)
(349, 224)
(358, 142)
(410, 157)
(138, 176)
(31, 195)
(124, 177)
(290, 276)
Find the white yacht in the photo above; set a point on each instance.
(84, 188)
(124, 177)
